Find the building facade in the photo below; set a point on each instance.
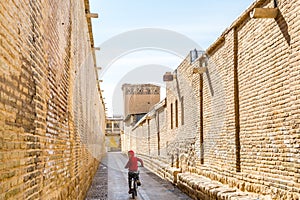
(114, 129)
(231, 116)
(138, 100)
(52, 116)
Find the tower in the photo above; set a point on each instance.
(139, 99)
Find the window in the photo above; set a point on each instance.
(109, 125)
(116, 125)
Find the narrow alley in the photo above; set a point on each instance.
(112, 170)
(218, 124)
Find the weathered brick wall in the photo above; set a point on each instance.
(182, 136)
(268, 123)
(125, 139)
(140, 136)
(48, 100)
(143, 137)
(139, 98)
(251, 123)
(162, 132)
(268, 67)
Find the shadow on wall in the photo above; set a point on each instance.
(283, 26)
(210, 83)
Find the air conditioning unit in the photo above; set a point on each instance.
(168, 76)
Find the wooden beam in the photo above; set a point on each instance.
(92, 15)
(199, 70)
(96, 48)
(264, 13)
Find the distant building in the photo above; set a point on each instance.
(138, 100)
(113, 131)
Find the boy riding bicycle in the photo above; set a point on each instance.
(132, 166)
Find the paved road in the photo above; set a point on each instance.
(153, 188)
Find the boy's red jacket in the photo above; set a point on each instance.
(132, 163)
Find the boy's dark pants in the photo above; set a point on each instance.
(132, 175)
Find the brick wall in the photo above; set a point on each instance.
(241, 117)
(139, 98)
(47, 101)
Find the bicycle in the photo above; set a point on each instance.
(133, 183)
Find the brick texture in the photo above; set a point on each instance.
(48, 123)
(139, 98)
(249, 135)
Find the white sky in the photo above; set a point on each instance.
(127, 47)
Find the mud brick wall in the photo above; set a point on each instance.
(50, 108)
(141, 139)
(139, 98)
(241, 117)
(146, 136)
(125, 139)
(182, 118)
(251, 104)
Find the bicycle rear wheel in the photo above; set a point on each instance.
(133, 188)
(134, 191)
